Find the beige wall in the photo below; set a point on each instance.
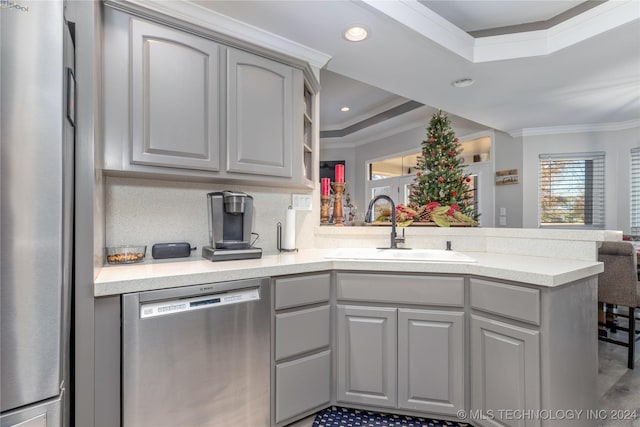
(508, 155)
(615, 144)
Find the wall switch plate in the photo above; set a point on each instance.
(301, 202)
(503, 211)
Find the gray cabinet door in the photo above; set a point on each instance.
(174, 95)
(431, 361)
(259, 115)
(302, 331)
(366, 355)
(505, 371)
(302, 384)
(307, 289)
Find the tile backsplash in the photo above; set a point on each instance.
(148, 211)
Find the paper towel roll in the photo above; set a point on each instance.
(289, 238)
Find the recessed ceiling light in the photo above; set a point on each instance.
(462, 82)
(356, 33)
(345, 109)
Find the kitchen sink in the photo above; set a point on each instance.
(423, 255)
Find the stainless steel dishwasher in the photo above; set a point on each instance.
(197, 356)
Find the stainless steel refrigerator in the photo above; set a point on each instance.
(36, 181)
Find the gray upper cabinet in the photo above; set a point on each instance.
(195, 105)
(175, 117)
(260, 114)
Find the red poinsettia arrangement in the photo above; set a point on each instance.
(442, 216)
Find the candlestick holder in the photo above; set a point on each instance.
(324, 209)
(338, 215)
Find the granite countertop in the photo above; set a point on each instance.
(151, 275)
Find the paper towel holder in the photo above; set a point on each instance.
(279, 240)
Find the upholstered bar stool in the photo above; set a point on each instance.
(618, 286)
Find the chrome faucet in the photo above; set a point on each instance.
(394, 237)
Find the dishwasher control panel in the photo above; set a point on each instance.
(154, 309)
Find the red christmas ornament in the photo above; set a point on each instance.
(450, 153)
(450, 166)
(455, 139)
(440, 179)
(468, 179)
(432, 140)
(453, 193)
(418, 174)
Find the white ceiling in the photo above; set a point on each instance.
(363, 100)
(473, 15)
(585, 71)
(366, 103)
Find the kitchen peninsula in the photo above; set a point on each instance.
(538, 271)
(537, 257)
(515, 329)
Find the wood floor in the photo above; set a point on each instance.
(618, 387)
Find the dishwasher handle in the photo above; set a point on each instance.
(181, 305)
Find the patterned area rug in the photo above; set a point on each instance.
(345, 417)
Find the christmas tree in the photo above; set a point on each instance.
(441, 183)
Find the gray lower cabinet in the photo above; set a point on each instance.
(398, 357)
(296, 291)
(302, 331)
(302, 346)
(431, 360)
(302, 384)
(366, 355)
(401, 358)
(505, 370)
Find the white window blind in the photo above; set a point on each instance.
(635, 191)
(571, 190)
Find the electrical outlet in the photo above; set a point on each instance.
(301, 202)
(503, 220)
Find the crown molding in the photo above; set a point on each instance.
(372, 120)
(592, 22)
(597, 20)
(475, 135)
(559, 130)
(214, 21)
(368, 114)
(346, 142)
(354, 142)
(411, 120)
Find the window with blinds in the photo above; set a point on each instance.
(635, 191)
(571, 190)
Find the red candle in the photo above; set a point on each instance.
(339, 173)
(324, 187)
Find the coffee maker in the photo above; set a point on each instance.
(230, 219)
